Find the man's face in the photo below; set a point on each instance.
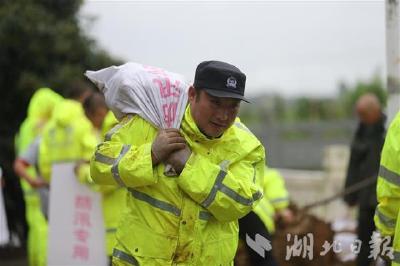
(97, 117)
(368, 115)
(213, 115)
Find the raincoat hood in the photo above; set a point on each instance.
(68, 111)
(42, 103)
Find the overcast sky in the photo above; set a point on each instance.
(291, 47)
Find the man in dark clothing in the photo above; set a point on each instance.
(364, 163)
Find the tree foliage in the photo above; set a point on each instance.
(349, 94)
(41, 45)
(276, 109)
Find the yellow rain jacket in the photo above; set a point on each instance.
(185, 220)
(69, 136)
(276, 197)
(40, 110)
(388, 188)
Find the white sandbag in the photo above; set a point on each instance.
(157, 95)
(76, 226)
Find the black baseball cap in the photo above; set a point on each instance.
(220, 79)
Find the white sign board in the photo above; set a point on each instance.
(76, 227)
(4, 233)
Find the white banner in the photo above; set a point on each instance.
(4, 233)
(76, 227)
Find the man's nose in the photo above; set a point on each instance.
(222, 114)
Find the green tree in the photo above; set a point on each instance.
(41, 44)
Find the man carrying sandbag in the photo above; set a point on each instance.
(190, 218)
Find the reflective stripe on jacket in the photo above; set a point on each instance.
(190, 219)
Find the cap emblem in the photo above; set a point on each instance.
(231, 82)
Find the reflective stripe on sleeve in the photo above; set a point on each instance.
(219, 186)
(237, 197)
(98, 157)
(112, 132)
(389, 175)
(386, 221)
(114, 168)
(214, 190)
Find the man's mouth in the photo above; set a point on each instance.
(218, 124)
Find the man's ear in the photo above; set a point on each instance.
(192, 94)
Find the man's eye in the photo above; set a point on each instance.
(234, 107)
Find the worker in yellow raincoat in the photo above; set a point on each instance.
(191, 218)
(388, 190)
(40, 110)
